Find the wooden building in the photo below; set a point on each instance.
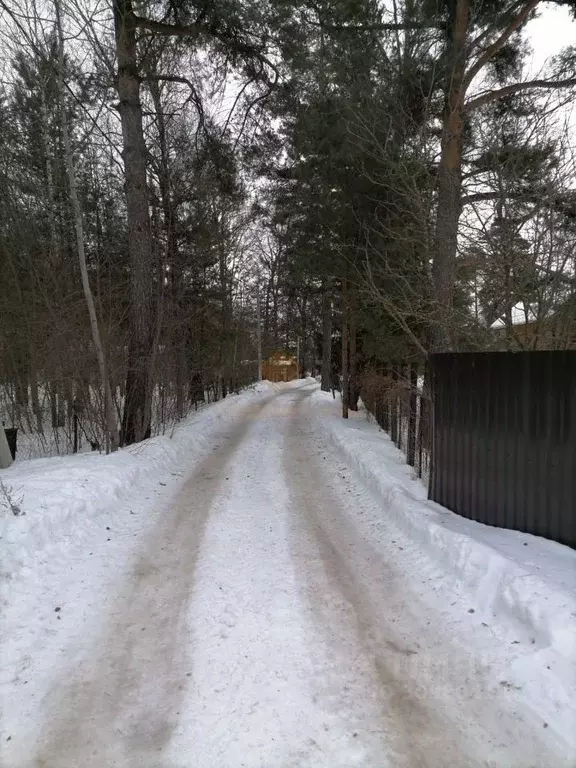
(280, 367)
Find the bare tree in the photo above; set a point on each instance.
(112, 428)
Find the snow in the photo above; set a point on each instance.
(240, 595)
(525, 583)
(521, 314)
(66, 495)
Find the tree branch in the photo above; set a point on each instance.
(196, 30)
(171, 30)
(502, 21)
(493, 49)
(509, 90)
(563, 205)
(194, 95)
(381, 27)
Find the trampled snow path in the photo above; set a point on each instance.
(256, 620)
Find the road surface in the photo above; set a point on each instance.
(255, 624)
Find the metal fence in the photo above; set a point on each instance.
(504, 439)
(499, 443)
(396, 396)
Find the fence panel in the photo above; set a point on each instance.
(504, 439)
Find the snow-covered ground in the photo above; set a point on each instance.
(270, 588)
(523, 586)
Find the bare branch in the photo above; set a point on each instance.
(170, 30)
(509, 90)
(493, 49)
(185, 81)
(248, 50)
(561, 205)
(381, 27)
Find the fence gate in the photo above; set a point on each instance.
(504, 439)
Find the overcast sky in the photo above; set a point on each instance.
(553, 30)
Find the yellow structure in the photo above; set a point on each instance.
(280, 367)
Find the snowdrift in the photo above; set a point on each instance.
(53, 494)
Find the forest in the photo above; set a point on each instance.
(187, 186)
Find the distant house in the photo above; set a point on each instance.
(556, 331)
(280, 366)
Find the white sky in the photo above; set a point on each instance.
(553, 30)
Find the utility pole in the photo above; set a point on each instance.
(259, 328)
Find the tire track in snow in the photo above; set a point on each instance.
(301, 634)
(250, 706)
(431, 701)
(122, 701)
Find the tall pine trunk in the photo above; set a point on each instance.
(139, 378)
(449, 203)
(224, 363)
(326, 338)
(353, 390)
(345, 339)
(259, 327)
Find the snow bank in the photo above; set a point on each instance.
(527, 585)
(52, 494)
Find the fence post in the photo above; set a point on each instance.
(423, 427)
(430, 394)
(402, 377)
(412, 406)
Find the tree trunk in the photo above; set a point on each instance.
(181, 378)
(34, 396)
(139, 378)
(412, 414)
(110, 418)
(449, 203)
(353, 390)
(345, 335)
(55, 410)
(275, 331)
(21, 371)
(224, 362)
(326, 338)
(266, 332)
(172, 260)
(386, 401)
(259, 328)
(54, 243)
(394, 405)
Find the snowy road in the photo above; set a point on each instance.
(263, 619)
